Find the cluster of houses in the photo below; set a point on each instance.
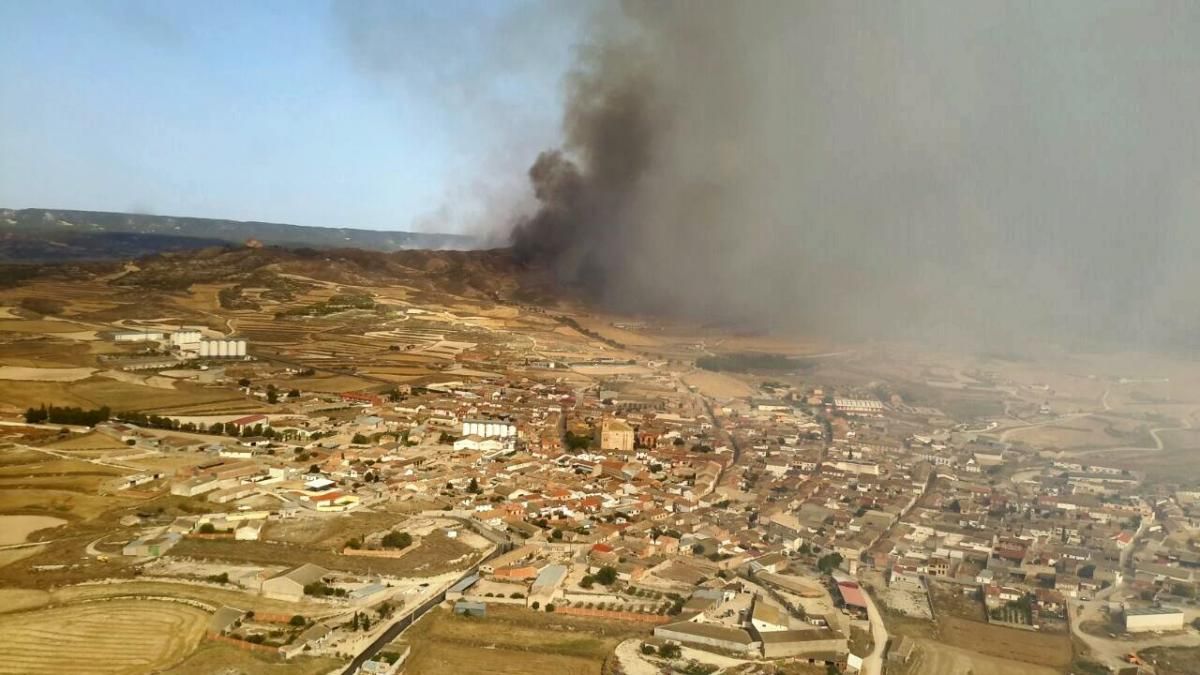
(712, 501)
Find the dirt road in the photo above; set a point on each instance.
(873, 664)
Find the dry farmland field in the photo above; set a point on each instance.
(435, 554)
(718, 385)
(512, 641)
(117, 637)
(214, 657)
(960, 625)
(32, 482)
(214, 597)
(101, 391)
(933, 658)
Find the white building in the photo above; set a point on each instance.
(1145, 619)
(488, 428)
(138, 336)
(858, 406)
(222, 349)
(184, 339)
(854, 466)
(477, 443)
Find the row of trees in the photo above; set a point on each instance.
(91, 417)
(748, 361)
(67, 415)
(216, 428)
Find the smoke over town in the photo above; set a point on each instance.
(974, 171)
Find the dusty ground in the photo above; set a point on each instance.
(20, 599)
(212, 596)
(1174, 660)
(434, 555)
(44, 374)
(16, 529)
(1047, 649)
(512, 641)
(933, 658)
(718, 385)
(212, 657)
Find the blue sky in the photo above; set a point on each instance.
(383, 115)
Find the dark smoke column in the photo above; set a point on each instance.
(586, 190)
(980, 173)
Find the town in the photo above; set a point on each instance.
(737, 509)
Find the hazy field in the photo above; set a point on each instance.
(717, 385)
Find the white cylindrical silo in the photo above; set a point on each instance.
(241, 348)
(222, 349)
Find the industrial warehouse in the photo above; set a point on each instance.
(187, 343)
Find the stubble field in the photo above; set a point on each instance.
(118, 637)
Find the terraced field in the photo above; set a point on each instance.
(117, 637)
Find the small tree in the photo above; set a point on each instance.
(208, 528)
(359, 439)
(607, 576)
(297, 621)
(587, 581)
(397, 540)
(670, 651)
(549, 607)
(829, 562)
(473, 487)
(535, 604)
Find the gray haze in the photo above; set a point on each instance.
(962, 171)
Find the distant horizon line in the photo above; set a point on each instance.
(244, 221)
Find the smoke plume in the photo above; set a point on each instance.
(981, 171)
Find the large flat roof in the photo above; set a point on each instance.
(1151, 611)
(709, 631)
